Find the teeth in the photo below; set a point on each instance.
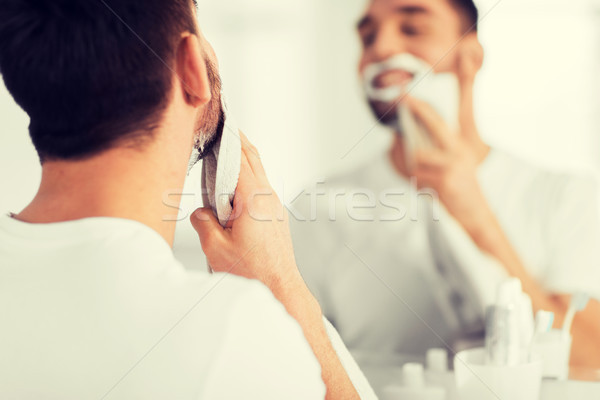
(389, 94)
(405, 61)
(395, 77)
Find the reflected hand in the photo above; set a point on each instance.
(449, 168)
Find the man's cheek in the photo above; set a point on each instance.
(443, 59)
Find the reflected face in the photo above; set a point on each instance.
(427, 29)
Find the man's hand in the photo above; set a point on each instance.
(450, 168)
(256, 243)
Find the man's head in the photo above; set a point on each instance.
(435, 31)
(95, 75)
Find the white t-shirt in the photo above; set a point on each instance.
(370, 268)
(100, 309)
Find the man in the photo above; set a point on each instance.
(93, 303)
(372, 272)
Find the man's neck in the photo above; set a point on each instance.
(120, 183)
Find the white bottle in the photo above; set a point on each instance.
(414, 386)
(502, 326)
(438, 374)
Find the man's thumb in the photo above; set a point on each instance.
(208, 228)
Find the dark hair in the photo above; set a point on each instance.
(90, 73)
(469, 11)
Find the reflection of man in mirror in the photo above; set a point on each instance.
(379, 280)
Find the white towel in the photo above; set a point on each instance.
(221, 170)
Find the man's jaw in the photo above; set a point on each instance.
(205, 140)
(385, 112)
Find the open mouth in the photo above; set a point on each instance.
(386, 81)
(394, 77)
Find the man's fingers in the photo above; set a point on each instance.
(431, 159)
(433, 122)
(246, 184)
(253, 158)
(252, 179)
(247, 181)
(212, 235)
(426, 179)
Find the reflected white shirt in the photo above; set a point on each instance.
(371, 277)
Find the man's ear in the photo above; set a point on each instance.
(471, 52)
(191, 71)
(469, 62)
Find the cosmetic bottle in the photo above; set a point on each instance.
(414, 386)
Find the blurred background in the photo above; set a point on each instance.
(289, 71)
